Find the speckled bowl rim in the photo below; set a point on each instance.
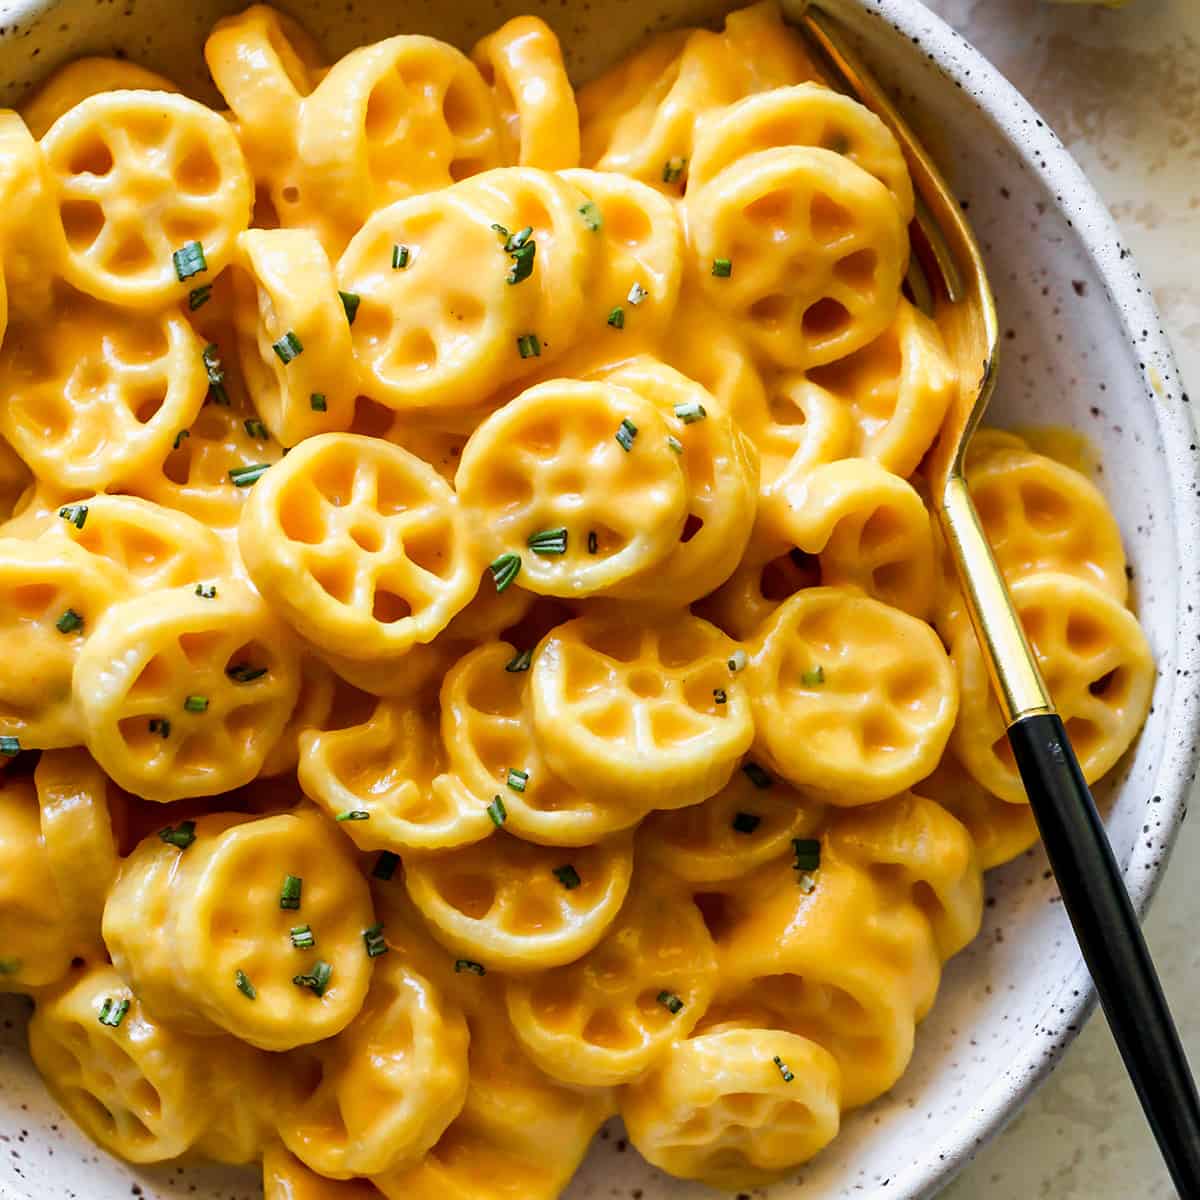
(1047, 160)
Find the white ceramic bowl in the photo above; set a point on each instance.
(1083, 347)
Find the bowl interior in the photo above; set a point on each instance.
(1081, 349)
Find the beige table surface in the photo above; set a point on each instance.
(1122, 89)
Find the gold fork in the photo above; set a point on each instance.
(951, 276)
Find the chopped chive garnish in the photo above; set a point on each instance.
(199, 297)
(691, 411)
(674, 444)
(206, 591)
(318, 403)
(637, 294)
(783, 1069)
(180, 836)
(745, 822)
(211, 355)
(69, 622)
(517, 779)
(673, 169)
(317, 979)
(548, 541)
(400, 257)
(505, 569)
(288, 347)
(521, 662)
(720, 696)
(112, 1012)
(757, 775)
(592, 216)
(242, 982)
(722, 268)
(466, 966)
(670, 1002)
(808, 854)
(502, 230)
(350, 302)
(626, 432)
(10, 966)
(353, 814)
(290, 892)
(497, 811)
(75, 513)
(568, 877)
(738, 660)
(196, 704)
(814, 677)
(10, 747)
(247, 476)
(374, 941)
(529, 346)
(179, 438)
(522, 261)
(519, 240)
(302, 937)
(593, 542)
(245, 673)
(806, 882)
(385, 865)
(189, 260)
(161, 726)
(255, 429)
(616, 318)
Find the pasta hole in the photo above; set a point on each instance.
(416, 351)
(1086, 736)
(366, 538)
(387, 608)
(385, 109)
(881, 734)
(91, 157)
(149, 408)
(372, 419)
(742, 1106)
(1045, 508)
(472, 895)
(426, 548)
(691, 527)
(825, 319)
(1109, 686)
(201, 648)
(302, 523)
(290, 194)
(891, 580)
(461, 112)
(646, 685)
(783, 577)
(82, 220)
(266, 215)
(716, 910)
(772, 211)
(32, 600)
(1085, 635)
(605, 1028)
(627, 223)
(772, 310)
(334, 477)
(857, 270)
(830, 220)
(153, 679)
(1004, 752)
(335, 580)
(132, 254)
(464, 168)
(198, 172)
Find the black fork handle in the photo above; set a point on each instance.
(1113, 947)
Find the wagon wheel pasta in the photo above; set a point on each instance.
(476, 654)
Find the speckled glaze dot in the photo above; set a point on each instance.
(1083, 347)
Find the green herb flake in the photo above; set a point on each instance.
(626, 433)
(464, 966)
(720, 696)
(213, 368)
(808, 854)
(206, 591)
(616, 318)
(520, 662)
(522, 262)
(161, 726)
(318, 403)
(353, 814)
(248, 476)
(517, 779)
(670, 1002)
(783, 1069)
(691, 411)
(813, 678)
(350, 302)
(738, 660)
(189, 260)
(196, 704)
(374, 941)
(401, 255)
(69, 622)
(290, 892)
(593, 542)
(199, 297)
(242, 982)
(529, 345)
(302, 937)
(180, 836)
(244, 672)
(505, 569)
(75, 513)
(674, 444)
(722, 268)
(255, 429)
(757, 775)
(10, 966)
(592, 217)
(288, 347)
(179, 438)
(10, 747)
(385, 865)
(568, 877)
(548, 541)
(745, 822)
(637, 294)
(112, 1012)
(497, 811)
(316, 980)
(673, 169)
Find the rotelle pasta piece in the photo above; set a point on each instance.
(285, 1177)
(803, 249)
(604, 1019)
(576, 479)
(391, 768)
(853, 700)
(735, 1108)
(185, 693)
(152, 189)
(205, 918)
(1096, 663)
(105, 405)
(522, 63)
(487, 733)
(359, 545)
(293, 335)
(637, 712)
(517, 907)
